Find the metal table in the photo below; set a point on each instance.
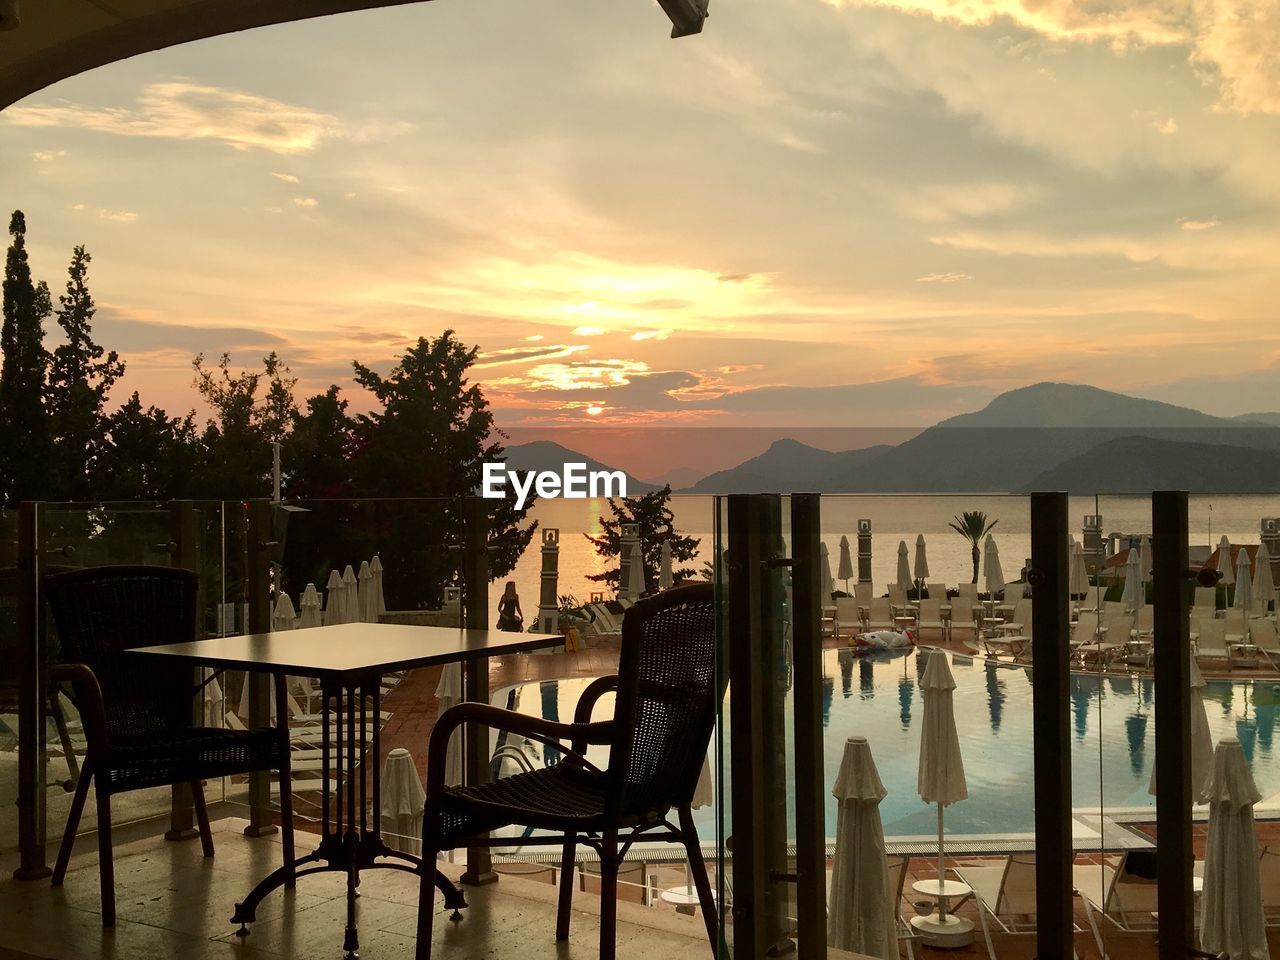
(350, 660)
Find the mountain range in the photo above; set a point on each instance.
(1048, 436)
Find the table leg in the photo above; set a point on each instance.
(351, 838)
(476, 745)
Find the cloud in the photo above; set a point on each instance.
(588, 331)
(1237, 41)
(1193, 225)
(286, 177)
(305, 201)
(944, 278)
(44, 156)
(119, 216)
(183, 110)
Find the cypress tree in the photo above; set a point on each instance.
(24, 423)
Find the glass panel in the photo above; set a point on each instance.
(8, 680)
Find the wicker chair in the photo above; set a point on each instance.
(667, 694)
(138, 712)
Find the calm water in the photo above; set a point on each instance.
(893, 518)
(1113, 737)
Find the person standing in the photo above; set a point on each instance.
(510, 616)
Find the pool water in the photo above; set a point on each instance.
(879, 697)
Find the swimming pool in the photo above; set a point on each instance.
(879, 697)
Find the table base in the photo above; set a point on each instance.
(349, 841)
(946, 933)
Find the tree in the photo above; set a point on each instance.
(652, 513)
(315, 456)
(428, 437)
(973, 526)
(148, 455)
(236, 454)
(80, 378)
(24, 424)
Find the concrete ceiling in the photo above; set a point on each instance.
(44, 41)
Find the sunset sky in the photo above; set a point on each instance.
(815, 213)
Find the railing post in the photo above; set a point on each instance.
(33, 687)
(475, 605)
(1172, 656)
(258, 562)
(756, 741)
(1050, 659)
(183, 550)
(806, 644)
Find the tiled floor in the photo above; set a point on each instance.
(173, 903)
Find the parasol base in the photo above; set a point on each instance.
(946, 933)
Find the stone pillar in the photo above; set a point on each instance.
(548, 601)
(1091, 542)
(630, 536)
(864, 551)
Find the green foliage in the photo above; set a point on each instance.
(652, 512)
(236, 454)
(973, 526)
(316, 452)
(80, 378)
(24, 422)
(148, 455)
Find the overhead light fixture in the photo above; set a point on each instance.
(9, 18)
(686, 16)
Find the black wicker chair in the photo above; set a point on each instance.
(138, 711)
(667, 695)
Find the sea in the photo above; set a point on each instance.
(894, 519)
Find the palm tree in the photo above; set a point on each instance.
(973, 526)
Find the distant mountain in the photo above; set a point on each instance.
(1023, 433)
(1009, 444)
(789, 466)
(549, 455)
(1143, 464)
(1269, 418)
(678, 478)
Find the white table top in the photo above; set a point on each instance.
(948, 888)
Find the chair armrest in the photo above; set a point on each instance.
(587, 702)
(88, 699)
(535, 728)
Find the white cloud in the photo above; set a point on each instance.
(944, 278)
(44, 156)
(286, 177)
(305, 201)
(183, 110)
(1193, 225)
(119, 216)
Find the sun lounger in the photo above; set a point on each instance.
(848, 618)
(879, 615)
(930, 617)
(1211, 641)
(1115, 893)
(1005, 894)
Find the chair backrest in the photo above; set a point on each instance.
(1146, 616)
(1269, 877)
(1022, 615)
(968, 590)
(1014, 592)
(1018, 891)
(881, 609)
(847, 610)
(668, 691)
(1206, 597)
(896, 594)
(937, 591)
(897, 880)
(1213, 633)
(1234, 619)
(1263, 633)
(100, 612)
(1085, 629)
(862, 591)
(931, 610)
(1131, 894)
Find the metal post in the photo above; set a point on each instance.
(475, 674)
(183, 549)
(260, 542)
(806, 640)
(1172, 644)
(1050, 659)
(33, 686)
(757, 765)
